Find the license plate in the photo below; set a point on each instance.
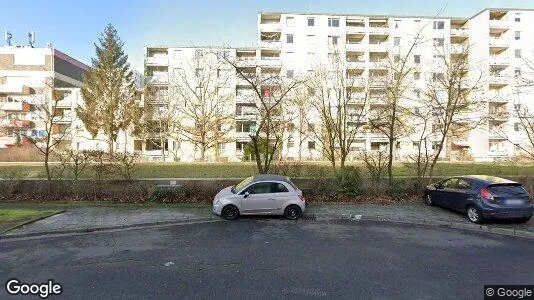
(514, 201)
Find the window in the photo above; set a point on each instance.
(278, 188)
(311, 39)
(450, 183)
(260, 188)
(199, 54)
(517, 35)
(290, 142)
(311, 127)
(222, 146)
(517, 72)
(517, 53)
(332, 40)
(396, 41)
(437, 76)
(517, 106)
(464, 185)
(516, 126)
(517, 19)
(417, 111)
(311, 22)
(311, 145)
(223, 54)
(417, 75)
(417, 59)
(311, 91)
(417, 93)
(290, 73)
(438, 42)
(290, 21)
(439, 24)
(333, 22)
(397, 76)
(396, 58)
(289, 38)
(198, 73)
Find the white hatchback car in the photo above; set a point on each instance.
(260, 195)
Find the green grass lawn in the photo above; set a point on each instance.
(240, 170)
(10, 216)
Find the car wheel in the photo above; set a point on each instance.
(473, 214)
(429, 201)
(292, 212)
(230, 212)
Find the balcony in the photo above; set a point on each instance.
(15, 106)
(378, 46)
(499, 42)
(497, 134)
(158, 79)
(247, 115)
(8, 140)
(355, 81)
(497, 60)
(498, 115)
(498, 79)
(499, 24)
(359, 47)
(66, 118)
(270, 44)
(460, 32)
(356, 29)
(15, 123)
(378, 28)
(497, 98)
(157, 61)
(267, 61)
(271, 27)
(357, 64)
(242, 136)
(14, 89)
(247, 61)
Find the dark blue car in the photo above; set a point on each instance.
(482, 197)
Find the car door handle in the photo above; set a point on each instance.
(272, 199)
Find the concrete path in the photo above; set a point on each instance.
(85, 219)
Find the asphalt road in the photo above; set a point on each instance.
(272, 258)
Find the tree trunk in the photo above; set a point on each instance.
(111, 145)
(162, 144)
(257, 154)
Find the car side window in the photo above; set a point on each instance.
(279, 188)
(451, 183)
(464, 185)
(260, 188)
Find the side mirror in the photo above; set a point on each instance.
(246, 194)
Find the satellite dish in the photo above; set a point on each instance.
(7, 37)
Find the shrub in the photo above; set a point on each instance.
(350, 182)
(396, 191)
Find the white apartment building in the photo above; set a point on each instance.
(293, 44)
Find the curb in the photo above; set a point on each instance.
(31, 221)
(455, 225)
(109, 228)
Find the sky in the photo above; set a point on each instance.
(74, 26)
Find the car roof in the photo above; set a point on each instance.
(486, 179)
(270, 177)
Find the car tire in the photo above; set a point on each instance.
(428, 200)
(473, 214)
(230, 212)
(292, 212)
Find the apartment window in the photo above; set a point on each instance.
(311, 145)
(439, 24)
(333, 22)
(198, 73)
(333, 40)
(290, 21)
(517, 35)
(517, 72)
(417, 111)
(289, 38)
(311, 127)
(417, 75)
(396, 76)
(311, 22)
(290, 142)
(517, 106)
(311, 91)
(517, 53)
(199, 54)
(290, 73)
(396, 58)
(438, 42)
(437, 76)
(516, 126)
(396, 41)
(222, 146)
(223, 54)
(311, 39)
(518, 19)
(417, 59)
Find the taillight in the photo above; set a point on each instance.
(484, 193)
(302, 198)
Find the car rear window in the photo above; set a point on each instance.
(507, 190)
(292, 184)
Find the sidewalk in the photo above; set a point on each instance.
(97, 218)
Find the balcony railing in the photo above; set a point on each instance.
(498, 60)
(15, 106)
(15, 123)
(270, 44)
(356, 29)
(355, 46)
(270, 61)
(14, 89)
(157, 61)
(271, 27)
(498, 79)
(360, 64)
(499, 24)
(499, 42)
(158, 79)
(463, 32)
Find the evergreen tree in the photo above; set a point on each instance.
(109, 92)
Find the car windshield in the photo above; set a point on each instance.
(242, 184)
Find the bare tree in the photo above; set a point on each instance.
(271, 92)
(450, 92)
(203, 100)
(340, 99)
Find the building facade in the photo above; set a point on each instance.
(495, 43)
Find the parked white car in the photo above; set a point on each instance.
(260, 195)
